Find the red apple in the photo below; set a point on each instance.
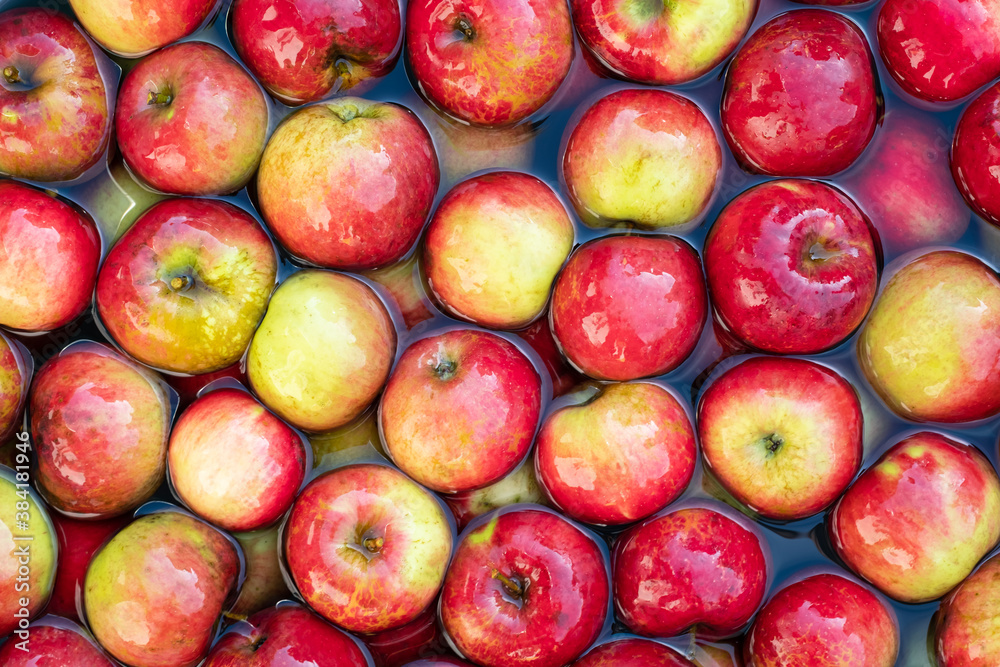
(15, 378)
(539, 337)
(399, 646)
(116, 199)
(965, 627)
(975, 154)
(801, 96)
(52, 641)
(460, 410)
(520, 486)
(133, 28)
(403, 283)
(632, 652)
(439, 661)
(189, 386)
(593, 314)
(264, 585)
(78, 541)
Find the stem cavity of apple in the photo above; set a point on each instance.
(11, 74)
(159, 99)
(445, 369)
(514, 586)
(772, 443)
(181, 283)
(373, 544)
(464, 26)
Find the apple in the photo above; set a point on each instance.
(539, 337)
(348, 184)
(460, 410)
(49, 254)
(801, 96)
(690, 566)
(368, 534)
(15, 378)
(648, 158)
(234, 463)
(632, 652)
(154, 593)
(100, 425)
(823, 620)
(399, 646)
(323, 351)
(133, 28)
(78, 541)
(356, 440)
(117, 199)
(625, 451)
(439, 661)
(783, 436)
(53, 642)
(493, 248)
(966, 625)
(189, 386)
(716, 654)
(593, 314)
(305, 50)
(526, 587)
(56, 105)
(191, 121)
(185, 287)
(463, 59)
(916, 522)
(975, 154)
(403, 283)
(264, 585)
(519, 486)
(932, 341)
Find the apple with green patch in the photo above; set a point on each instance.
(133, 28)
(966, 627)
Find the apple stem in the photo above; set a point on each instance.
(773, 443)
(513, 586)
(373, 544)
(465, 27)
(180, 283)
(234, 617)
(159, 99)
(445, 369)
(11, 74)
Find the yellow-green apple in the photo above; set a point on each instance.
(233, 463)
(348, 184)
(519, 486)
(264, 585)
(526, 587)
(690, 566)
(55, 103)
(305, 50)
(78, 542)
(661, 43)
(185, 287)
(783, 436)
(966, 629)
(53, 641)
(539, 337)
(464, 60)
(369, 535)
(792, 267)
(801, 96)
(28, 549)
(975, 153)
(593, 314)
(133, 28)
(154, 593)
(191, 121)
(15, 378)
(323, 350)
(931, 347)
(49, 254)
(460, 409)
(715, 654)
(494, 246)
(916, 522)
(823, 620)
(418, 638)
(404, 284)
(356, 440)
(642, 157)
(116, 199)
(90, 406)
(632, 652)
(616, 454)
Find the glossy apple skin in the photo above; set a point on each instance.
(644, 157)
(686, 567)
(940, 50)
(57, 109)
(439, 661)
(133, 28)
(305, 50)
(78, 541)
(595, 314)
(330, 558)
(354, 441)
(160, 568)
(801, 96)
(460, 410)
(567, 583)
(90, 405)
(539, 336)
(975, 154)
(618, 457)
(208, 137)
(783, 436)
(54, 642)
(965, 628)
(116, 199)
(419, 638)
(824, 620)
(224, 267)
(189, 386)
(264, 585)
(520, 486)
(49, 254)
(404, 284)
(459, 53)
(918, 521)
(15, 378)
(632, 652)
(348, 183)
(931, 347)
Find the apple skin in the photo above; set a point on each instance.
(418, 638)
(801, 96)
(133, 28)
(824, 620)
(539, 336)
(305, 50)
(54, 642)
(348, 184)
(975, 154)
(918, 521)
(563, 572)
(460, 410)
(185, 287)
(931, 346)
(355, 441)
(404, 284)
(592, 315)
(966, 625)
(459, 53)
(519, 486)
(494, 247)
(649, 158)
(56, 104)
(686, 567)
(49, 254)
(15, 378)
(90, 405)
(632, 652)
(189, 386)
(368, 534)
(323, 351)
(634, 437)
(439, 661)
(116, 199)
(160, 568)
(191, 121)
(78, 541)
(264, 585)
(234, 463)
(783, 436)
